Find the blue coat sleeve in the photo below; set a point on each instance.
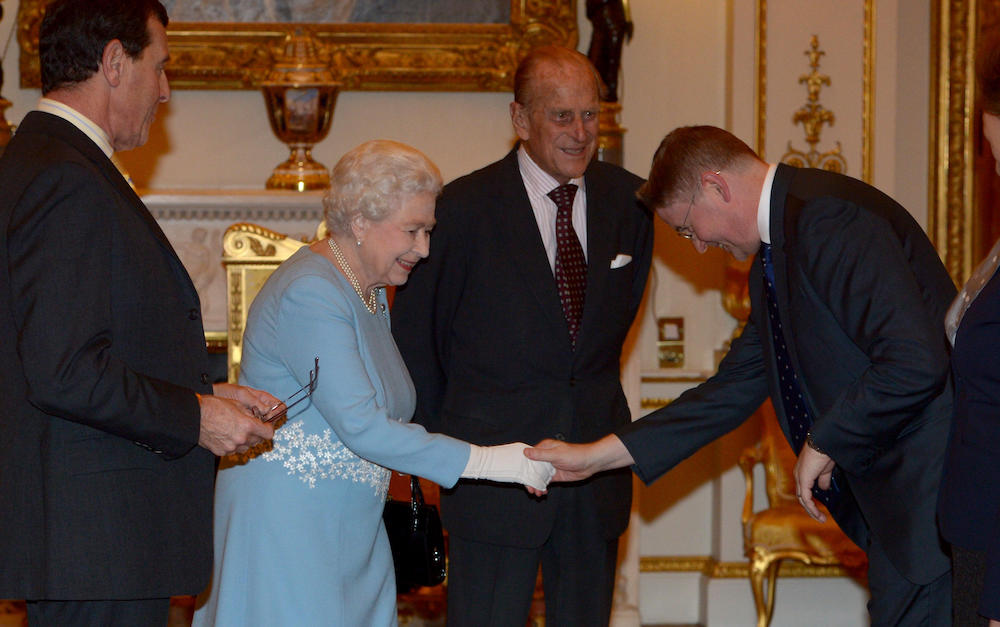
(314, 320)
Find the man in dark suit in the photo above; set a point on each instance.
(513, 329)
(109, 423)
(846, 337)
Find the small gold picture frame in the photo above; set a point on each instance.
(670, 342)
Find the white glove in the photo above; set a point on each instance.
(508, 464)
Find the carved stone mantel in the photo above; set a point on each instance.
(194, 221)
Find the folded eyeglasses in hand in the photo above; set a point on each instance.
(281, 409)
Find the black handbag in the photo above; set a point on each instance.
(416, 539)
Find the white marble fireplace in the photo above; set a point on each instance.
(194, 221)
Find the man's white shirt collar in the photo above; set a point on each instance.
(537, 181)
(87, 126)
(764, 205)
(537, 184)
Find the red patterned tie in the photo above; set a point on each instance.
(571, 265)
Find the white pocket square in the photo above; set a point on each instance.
(621, 261)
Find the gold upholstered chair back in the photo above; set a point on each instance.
(250, 253)
(783, 530)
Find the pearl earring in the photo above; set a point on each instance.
(359, 243)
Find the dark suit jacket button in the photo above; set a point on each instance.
(572, 381)
(204, 377)
(193, 314)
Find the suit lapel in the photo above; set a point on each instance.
(74, 137)
(779, 195)
(528, 257)
(781, 246)
(600, 252)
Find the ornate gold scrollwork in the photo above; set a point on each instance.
(249, 254)
(362, 56)
(812, 116)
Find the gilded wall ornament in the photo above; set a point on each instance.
(812, 116)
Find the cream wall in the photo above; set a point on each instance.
(691, 61)
(213, 139)
(675, 73)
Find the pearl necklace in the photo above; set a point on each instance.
(339, 256)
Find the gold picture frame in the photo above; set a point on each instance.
(951, 218)
(363, 56)
(955, 215)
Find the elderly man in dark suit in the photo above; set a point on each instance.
(845, 335)
(512, 330)
(110, 422)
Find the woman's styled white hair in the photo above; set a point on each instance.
(370, 179)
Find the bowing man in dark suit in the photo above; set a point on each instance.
(109, 421)
(846, 337)
(512, 330)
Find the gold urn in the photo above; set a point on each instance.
(300, 92)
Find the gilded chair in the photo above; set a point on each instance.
(784, 530)
(250, 253)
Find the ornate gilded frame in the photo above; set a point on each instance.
(954, 216)
(426, 57)
(951, 217)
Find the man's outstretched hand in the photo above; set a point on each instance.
(575, 462)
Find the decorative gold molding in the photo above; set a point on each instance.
(868, 73)
(760, 102)
(868, 95)
(812, 116)
(216, 341)
(950, 218)
(713, 569)
(427, 57)
(654, 403)
(676, 564)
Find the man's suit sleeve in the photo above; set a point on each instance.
(666, 437)
(60, 272)
(856, 264)
(422, 311)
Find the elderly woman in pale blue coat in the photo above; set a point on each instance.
(299, 538)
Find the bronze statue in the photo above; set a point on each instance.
(612, 26)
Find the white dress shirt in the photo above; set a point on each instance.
(538, 183)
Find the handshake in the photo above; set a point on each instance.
(547, 461)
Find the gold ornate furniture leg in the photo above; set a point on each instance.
(783, 530)
(763, 569)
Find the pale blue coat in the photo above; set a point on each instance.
(299, 538)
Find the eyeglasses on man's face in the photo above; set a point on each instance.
(281, 409)
(685, 230)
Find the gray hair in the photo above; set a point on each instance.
(368, 180)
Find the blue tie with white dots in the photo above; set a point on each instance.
(796, 410)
